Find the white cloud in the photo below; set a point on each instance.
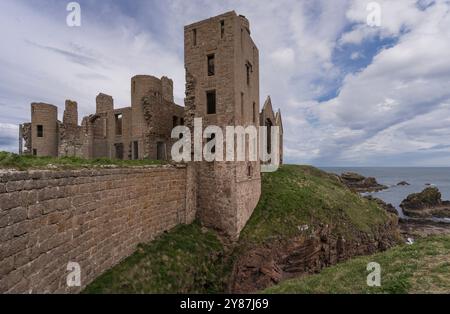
(9, 137)
(45, 60)
(403, 83)
(284, 57)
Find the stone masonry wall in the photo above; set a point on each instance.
(227, 191)
(44, 115)
(91, 217)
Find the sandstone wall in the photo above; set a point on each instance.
(91, 217)
(227, 191)
(44, 115)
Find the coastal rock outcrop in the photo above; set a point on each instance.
(403, 183)
(426, 204)
(422, 228)
(307, 253)
(361, 184)
(388, 207)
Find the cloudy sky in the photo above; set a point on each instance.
(351, 94)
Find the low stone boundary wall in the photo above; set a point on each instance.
(95, 218)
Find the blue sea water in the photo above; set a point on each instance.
(417, 177)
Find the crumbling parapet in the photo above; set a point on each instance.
(167, 89)
(25, 132)
(71, 140)
(70, 117)
(70, 134)
(104, 103)
(148, 118)
(189, 103)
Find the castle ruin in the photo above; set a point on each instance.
(222, 87)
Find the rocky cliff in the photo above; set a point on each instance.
(307, 220)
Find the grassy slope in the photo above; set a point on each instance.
(420, 268)
(14, 161)
(300, 195)
(186, 260)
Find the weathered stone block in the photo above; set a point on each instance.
(17, 214)
(9, 200)
(2, 188)
(21, 228)
(6, 266)
(13, 186)
(35, 211)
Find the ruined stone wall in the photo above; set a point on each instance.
(26, 134)
(113, 138)
(99, 125)
(92, 217)
(220, 203)
(104, 103)
(70, 113)
(159, 117)
(215, 198)
(248, 174)
(72, 137)
(153, 109)
(141, 86)
(44, 115)
(167, 89)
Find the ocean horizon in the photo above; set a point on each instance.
(419, 178)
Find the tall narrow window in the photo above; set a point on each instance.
(174, 121)
(194, 34)
(182, 121)
(119, 150)
(40, 131)
(134, 86)
(249, 170)
(269, 135)
(242, 105)
(222, 29)
(242, 39)
(119, 124)
(248, 67)
(254, 112)
(211, 65)
(160, 151)
(211, 102)
(34, 152)
(135, 150)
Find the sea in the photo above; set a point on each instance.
(418, 178)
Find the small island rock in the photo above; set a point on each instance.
(361, 184)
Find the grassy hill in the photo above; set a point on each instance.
(423, 267)
(306, 220)
(191, 259)
(301, 195)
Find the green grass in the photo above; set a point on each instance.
(25, 162)
(419, 268)
(185, 260)
(300, 195)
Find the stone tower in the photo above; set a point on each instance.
(44, 130)
(222, 87)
